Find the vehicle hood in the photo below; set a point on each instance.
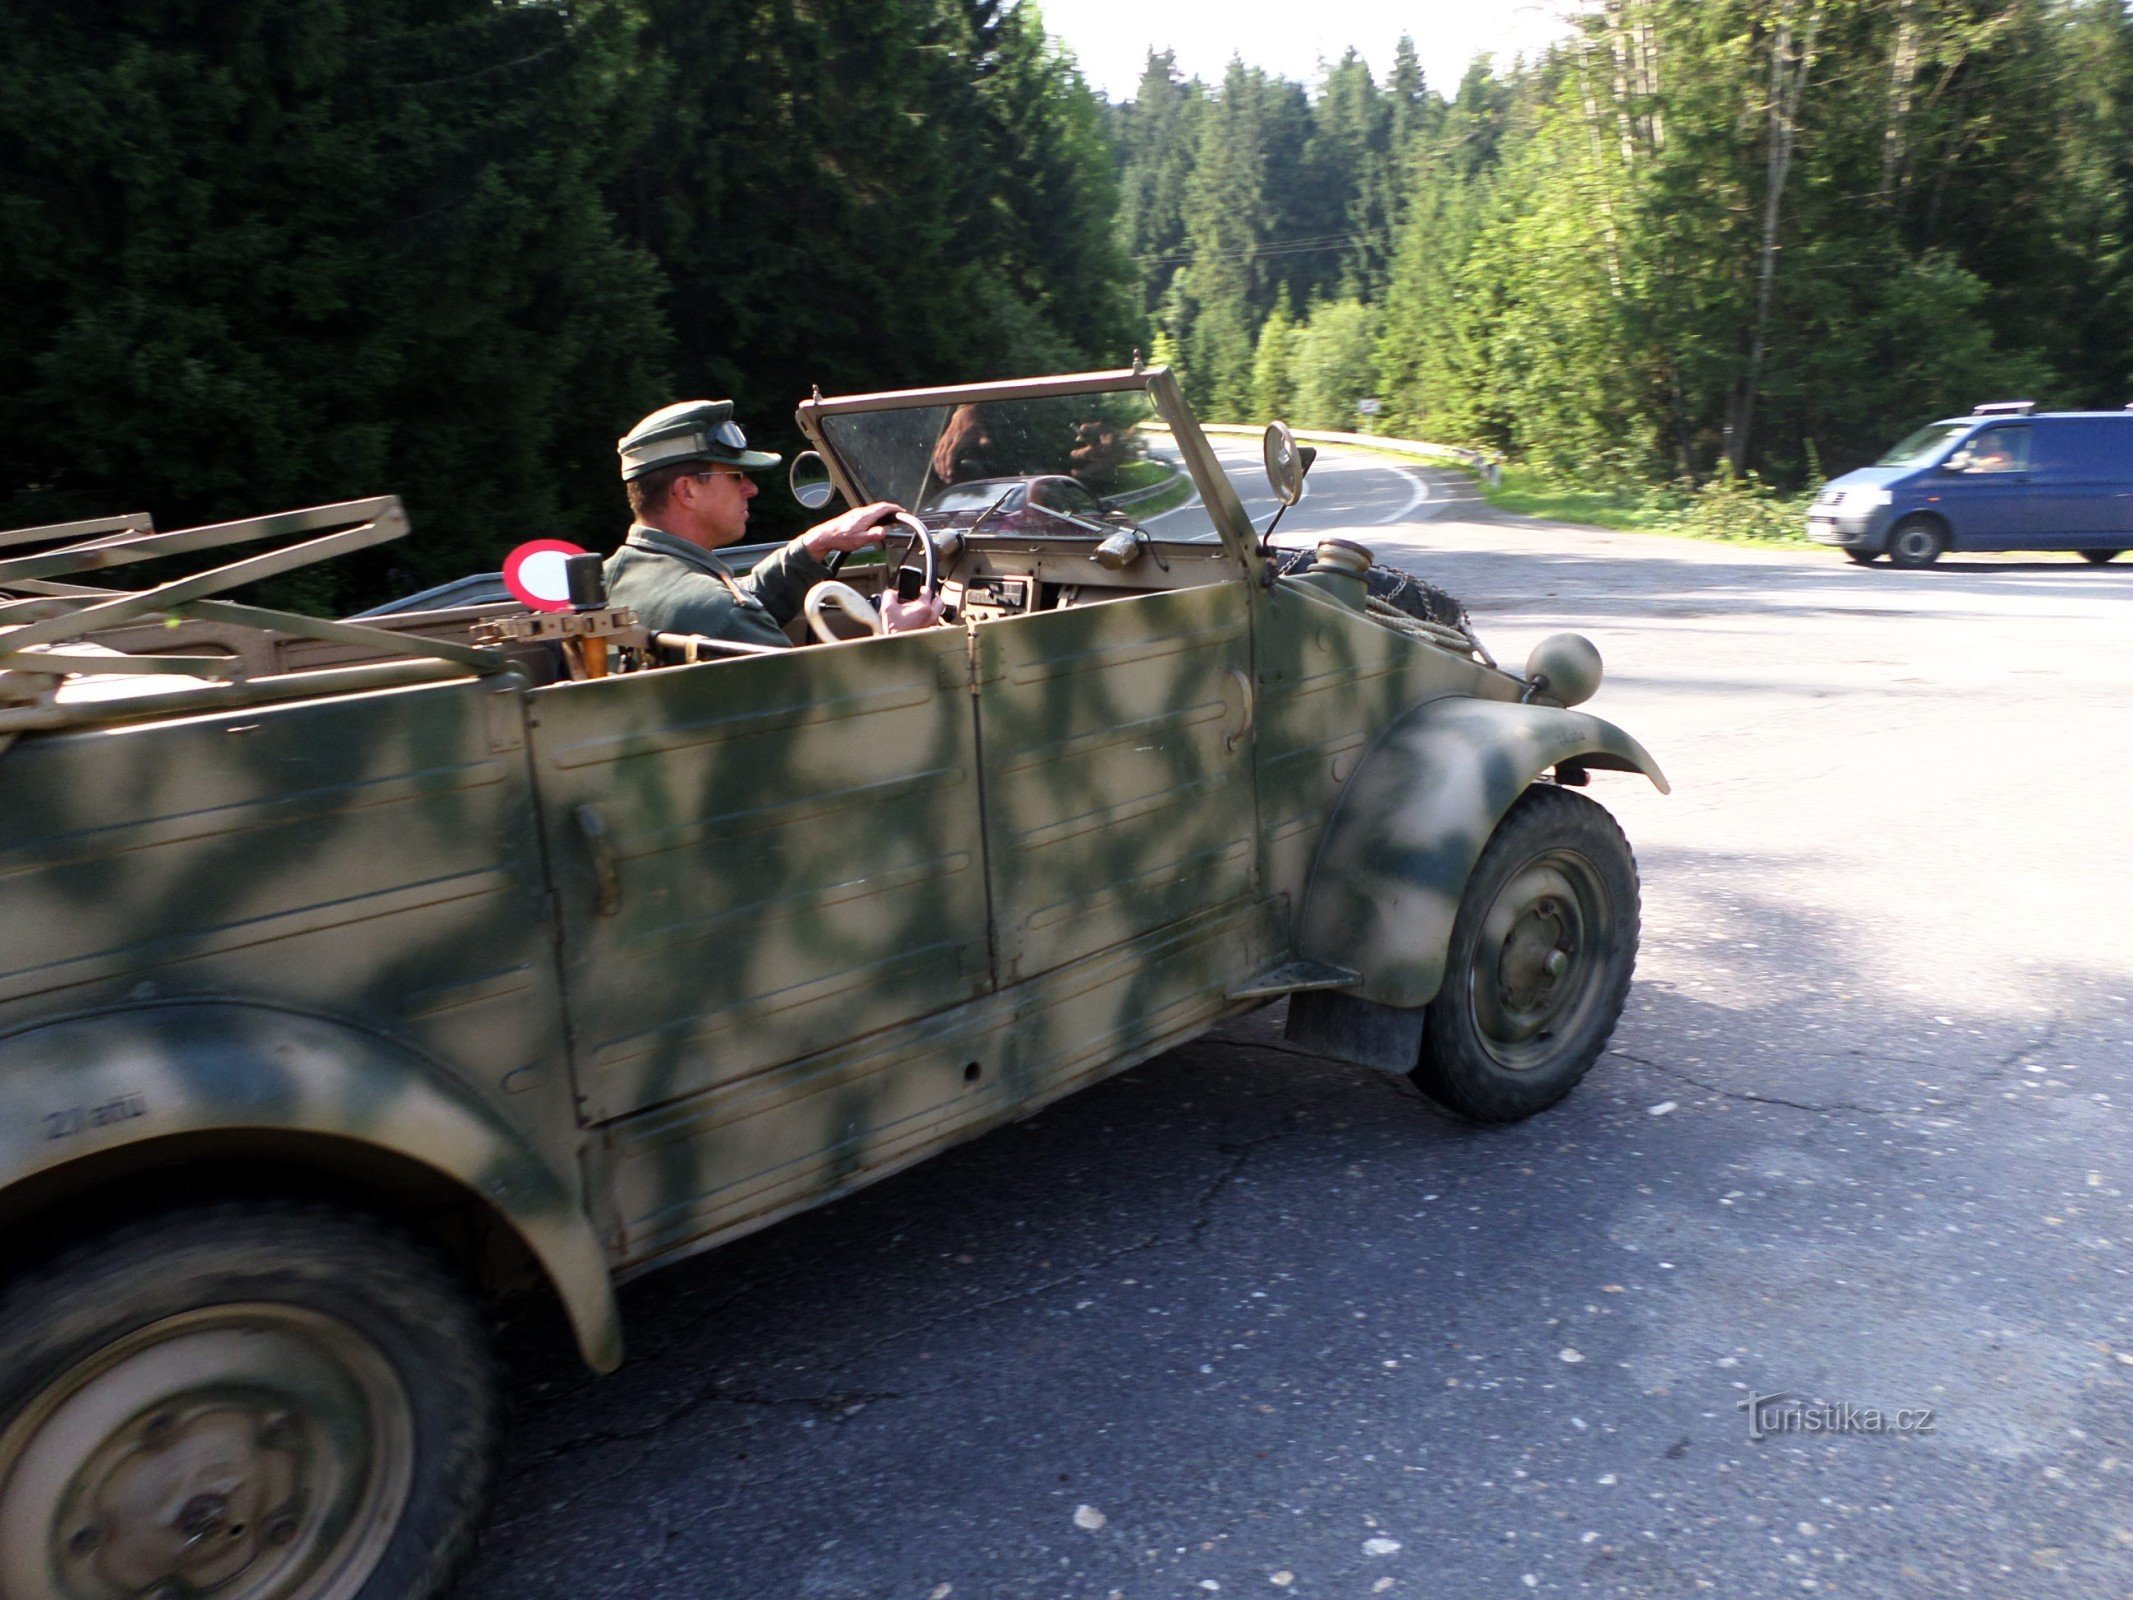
(1868, 478)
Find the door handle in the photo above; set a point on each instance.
(1232, 738)
(600, 844)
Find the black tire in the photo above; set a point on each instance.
(1865, 558)
(324, 1372)
(1506, 1037)
(1916, 542)
(2097, 558)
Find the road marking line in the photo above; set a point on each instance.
(1420, 494)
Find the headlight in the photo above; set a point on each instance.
(1869, 497)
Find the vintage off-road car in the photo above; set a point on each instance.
(351, 972)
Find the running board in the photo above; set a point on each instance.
(1294, 977)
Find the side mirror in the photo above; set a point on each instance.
(1286, 462)
(810, 480)
(1961, 461)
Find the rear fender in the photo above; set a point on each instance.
(92, 1086)
(1412, 821)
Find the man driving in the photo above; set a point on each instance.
(687, 470)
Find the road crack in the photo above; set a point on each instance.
(1957, 1100)
(1752, 1098)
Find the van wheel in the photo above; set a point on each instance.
(1916, 542)
(1542, 950)
(2097, 558)
(257, 1400)
(1865, 558)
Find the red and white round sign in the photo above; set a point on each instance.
(535, 575)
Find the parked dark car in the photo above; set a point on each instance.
(1042, 505)
(2003, 478)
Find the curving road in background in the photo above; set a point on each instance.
(1246, 1322)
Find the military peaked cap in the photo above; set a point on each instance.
(691, 430)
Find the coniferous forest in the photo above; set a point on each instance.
(262, 253)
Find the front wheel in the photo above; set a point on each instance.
(1916, 542)
(1542, 950)
(2097, 558)
(267, 1400)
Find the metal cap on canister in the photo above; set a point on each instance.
(1341, 570)
(1343, 555)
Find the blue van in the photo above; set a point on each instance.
(2002, 478)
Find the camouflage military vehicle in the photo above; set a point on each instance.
(353, 972)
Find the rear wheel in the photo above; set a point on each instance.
(2098, 557)
(1863, 557)
(1542, 951)
(266, 1400)
(1916, 542)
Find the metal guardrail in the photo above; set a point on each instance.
(1486, 462)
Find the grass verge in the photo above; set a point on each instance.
(1730, 510)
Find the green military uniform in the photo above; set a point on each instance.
(678, 587)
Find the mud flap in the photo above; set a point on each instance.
(1348, 1028)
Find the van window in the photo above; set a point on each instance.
(1923, 446)
(2086, 447)
(2001, 449)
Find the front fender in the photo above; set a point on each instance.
(1412, 821)
(93, 1084)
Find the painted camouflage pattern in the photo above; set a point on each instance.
(1396, 854)
(646, 962)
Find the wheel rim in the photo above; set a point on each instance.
(238, 1452)
(1916, 544)
(1538, 960)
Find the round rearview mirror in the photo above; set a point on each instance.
(810, 480)
(1284, 463)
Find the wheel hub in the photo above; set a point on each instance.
(191, 1498)
(234, 1453)
(1535, 956)
(1534, 962)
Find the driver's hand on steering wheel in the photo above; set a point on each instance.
(904, 616)
(854, 530)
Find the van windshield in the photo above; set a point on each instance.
(1924, 445)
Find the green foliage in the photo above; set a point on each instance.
(1273, 365)
(1333, 364)
(1697, 237)
(262, 253)
(1737, 509)
(1743, 508)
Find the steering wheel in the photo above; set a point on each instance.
(930, 589)
(836, 558)
(856, 605)
(846, 599)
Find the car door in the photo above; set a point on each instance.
(1120, 817)
(765, 866)
(1988, 497)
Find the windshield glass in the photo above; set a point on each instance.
(1924, 445)
(1079, 466)
(972, 496)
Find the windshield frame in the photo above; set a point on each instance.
(1219, 496)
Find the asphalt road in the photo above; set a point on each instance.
(1249, 1322)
